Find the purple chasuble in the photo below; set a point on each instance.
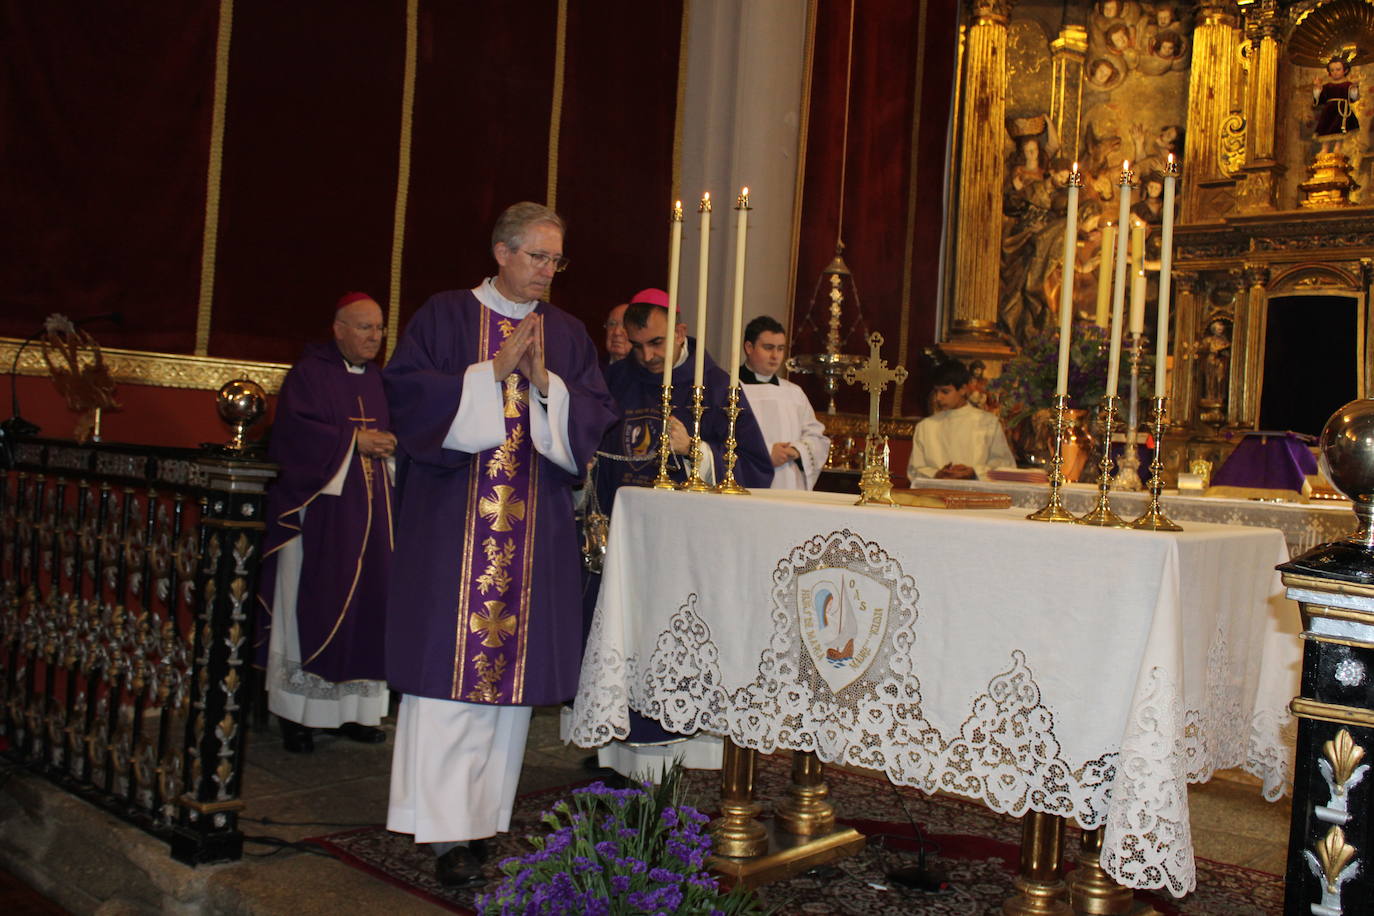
(484, 603)
(346, 540)
(639, 393)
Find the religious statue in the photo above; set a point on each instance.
(1215, 361)
(1334, 99)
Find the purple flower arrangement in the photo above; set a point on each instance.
(1026, 383)
(636, 850)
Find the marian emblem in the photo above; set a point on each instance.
(843, 618)
(846, 604)
(641, 435)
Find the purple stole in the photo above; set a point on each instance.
(498, 547)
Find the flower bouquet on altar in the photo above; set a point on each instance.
(1025, 390)
(618, 851)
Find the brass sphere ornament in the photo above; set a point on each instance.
(240, 403)
(1346, 455)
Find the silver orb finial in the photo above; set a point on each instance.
(1347, 460)
(240, 403)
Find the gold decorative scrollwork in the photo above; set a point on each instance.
(1231, 145)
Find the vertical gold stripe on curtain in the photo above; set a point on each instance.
(213, 172)
(913, 184)
(556, 110)
(799, 191)
(683, 48)
(398, 230)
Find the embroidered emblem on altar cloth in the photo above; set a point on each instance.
(842, 614)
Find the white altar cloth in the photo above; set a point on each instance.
(1083, 672)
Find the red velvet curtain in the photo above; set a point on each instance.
(105, 111)
(886, 161)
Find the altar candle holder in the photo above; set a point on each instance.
(694, 482)
(1154, 518)
(1102, 514)
(729, 485)
(1053, 510)
(1128, 465)
(665, 448)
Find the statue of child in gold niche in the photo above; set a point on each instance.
(1334, 99)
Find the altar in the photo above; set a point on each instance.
(1080, 672)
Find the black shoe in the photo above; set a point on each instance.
(296, 738)
(461, 866)
(363, 734)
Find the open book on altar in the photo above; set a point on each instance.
(941, 498)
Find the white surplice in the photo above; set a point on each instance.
(965, 435)
(785, 415)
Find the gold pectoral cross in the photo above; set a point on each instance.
(364, 419)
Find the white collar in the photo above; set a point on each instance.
(488, 295)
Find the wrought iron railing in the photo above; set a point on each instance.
(127, 578)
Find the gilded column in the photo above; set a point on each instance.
(978, 236)
(1068, 51)
(1258, 191)
(1215, 41)
(1183, 384)
(1247, 348)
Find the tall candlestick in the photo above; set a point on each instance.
(674, 257)
(1137, 324)
(1166, 262)
(1066, 281)
(1119, 283)
(737, 321)
(1104, 274)
(704, 208)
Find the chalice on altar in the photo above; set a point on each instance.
(1347, 459)
(240, 404)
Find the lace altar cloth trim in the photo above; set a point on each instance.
(1005, 753)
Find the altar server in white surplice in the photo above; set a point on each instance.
(959, 441)
(794, 436)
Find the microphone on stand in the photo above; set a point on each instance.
(16, 427)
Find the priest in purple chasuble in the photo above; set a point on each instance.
(498, 403)
(629, 457)
(327, 550)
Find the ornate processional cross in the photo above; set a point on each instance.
(874, 376)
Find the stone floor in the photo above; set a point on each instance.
(90, 863)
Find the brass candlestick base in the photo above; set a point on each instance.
(875, 484)
(665, 448)
(1091, 890)
(1154, 519)
(1039, 883)
(1054, 511)
(694, 483)
(1102, 514)
(729, 485)
(736, 833)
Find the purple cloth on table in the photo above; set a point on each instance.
(431, 643)
(1270, 461)
(345, 539)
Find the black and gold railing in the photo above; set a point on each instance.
(127, 577)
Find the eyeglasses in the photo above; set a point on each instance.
(543, 259)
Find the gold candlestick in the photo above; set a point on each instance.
(1102, 514)
(694, 482)
(1154, 519)
(729, 484)
(1053, 510)
(665, 448)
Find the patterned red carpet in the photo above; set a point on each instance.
(975, 849)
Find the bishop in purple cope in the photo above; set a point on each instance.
(498, 403)
(322, 593)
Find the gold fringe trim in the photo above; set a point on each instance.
(556, 109)
(398, 230)
(904, 314)
(164, 370)
(210, 241)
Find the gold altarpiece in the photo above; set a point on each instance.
(1257, 219)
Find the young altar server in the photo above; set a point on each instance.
(796, 439)
(959, 441)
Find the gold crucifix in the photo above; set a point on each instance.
(875, 484)
(874, 376)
